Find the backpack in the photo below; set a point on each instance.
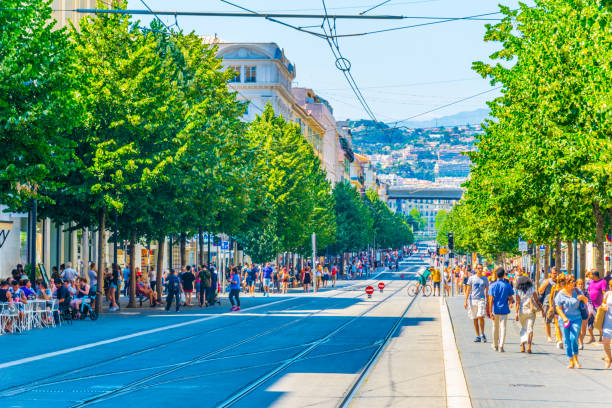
(174, 284)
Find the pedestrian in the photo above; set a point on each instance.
(586, 314)
(318, 276)
(596, 288)
(334, 274)
(234, 293)
(267, 277)
(527, 304)
(114, 287)
(93, 277)
(153, 279)
(567, 302)
(547, 309)
(476, 292)
(187, 279)
(436, 278)
(126, 280)
(284, 280)
(205, 277)
(252, 279)
(68, 273)
(325, 276)
(307, 279)
(174, 290)
(607, 325)
(500, 300)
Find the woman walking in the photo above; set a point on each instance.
(284, 277)
(567, 302)
(606, 305)
(527, 304)
(307, 279)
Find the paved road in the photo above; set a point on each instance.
(514, 379)
(299, 349)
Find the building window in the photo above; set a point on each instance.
(237, 77)
(250, 74)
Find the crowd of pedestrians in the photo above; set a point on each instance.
(570, 307)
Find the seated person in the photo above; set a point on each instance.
(43, 291)
(143, 289)
(82, 290)
(63, 294)
(18, 295)
(26, 288)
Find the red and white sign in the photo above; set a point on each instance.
(402, 276)
(369, 290)
(381, 286)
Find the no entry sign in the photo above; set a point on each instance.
(402, 276)
(369, 290)
(381, 286)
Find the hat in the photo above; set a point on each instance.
(522, 279)
(24, 278)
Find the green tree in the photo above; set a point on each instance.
(353, 220)
(37, 101)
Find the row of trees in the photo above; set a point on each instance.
(116, 122)
(542, 169)
(366, 221)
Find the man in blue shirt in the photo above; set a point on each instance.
(234, 293)
(267, 276)
(500, 299)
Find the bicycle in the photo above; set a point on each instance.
(415, 287)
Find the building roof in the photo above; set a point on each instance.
(426, 192)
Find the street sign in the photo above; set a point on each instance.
(369, 290)
(522, 245)
(381, 286)
(443, 251)
(225, 245)
(402, 276)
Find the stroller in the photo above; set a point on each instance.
(87, 306)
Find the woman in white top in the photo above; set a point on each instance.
(607, 324)
(526, 304)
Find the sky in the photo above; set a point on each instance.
(401, 73)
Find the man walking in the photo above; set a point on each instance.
(234, 293)
(267, 277)
(476, 292)
(436, 278)
(174, 290)
(500, 299)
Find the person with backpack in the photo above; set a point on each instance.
(214, 282)
(174, 290)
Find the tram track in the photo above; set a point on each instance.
(254, 385)
(140, 383)
(53, 379)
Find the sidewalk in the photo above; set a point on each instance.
(514, 379)
(410, 371)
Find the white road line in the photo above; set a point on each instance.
(457, 394)
(128, 336)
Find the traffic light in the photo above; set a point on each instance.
(451, 241)
(438, 251)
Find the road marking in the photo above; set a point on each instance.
(457, 394)
(128, 336)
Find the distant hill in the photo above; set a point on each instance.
(474, 117)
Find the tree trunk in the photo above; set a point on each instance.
(557, 255)
(582, 259)
(570, 257)
(182, 238)
(101, 251)
(201, 246)
(133, 277)
(546, 259)
(599, 238)
(537, 263)
(160, 266)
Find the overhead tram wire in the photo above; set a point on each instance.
(343, 64)
(375, 7)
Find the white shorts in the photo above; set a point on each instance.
(266, 281)
(477, 308)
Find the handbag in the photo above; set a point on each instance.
(584, 313)
(600, 316)
(534, 304)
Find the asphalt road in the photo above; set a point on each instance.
(292, 350)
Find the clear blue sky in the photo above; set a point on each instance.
(402, 73)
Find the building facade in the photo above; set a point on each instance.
(428, 200)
